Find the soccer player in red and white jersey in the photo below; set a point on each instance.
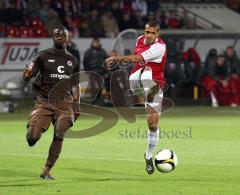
(148, 75)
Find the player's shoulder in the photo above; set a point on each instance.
(46, 52)
(159, 44)
(39, 54)
(72, 57)
(140, 39)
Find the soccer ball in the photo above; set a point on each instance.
(165, 160)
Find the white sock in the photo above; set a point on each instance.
(152, 139)
(214, 99)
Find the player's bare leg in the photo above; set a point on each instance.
(54, 151)
(61, 127)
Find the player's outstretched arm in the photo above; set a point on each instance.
(27, 73)
(111, 61)
(132, 58)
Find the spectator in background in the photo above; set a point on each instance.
(110, 24)
(187, 74)
(138, 21)
(151, 16)
(93, 62)
(12, 15)
(211, 58)
(192, 63)
(85, 6)
(173, 77)
(161, 18)
(73, 24)
(234, 5)
(68, 9)
(126, 22)
(58, 7)
(52, 20)
(173, 21)
(84, 30)
(232, 61)
(140, 5)
(233, 65)
(152, 6)
(34, 6)
(210, 81)
(43, 13)
(72, 47)
(126, 5)
(95, 24)
(116, 11)
(102, 6)
(185, 21)
(218, 84)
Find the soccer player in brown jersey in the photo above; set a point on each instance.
(57, 95)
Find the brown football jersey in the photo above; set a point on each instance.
(53, 70)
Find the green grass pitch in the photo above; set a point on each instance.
(208, 149)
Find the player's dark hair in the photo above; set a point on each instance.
(60, 27)
(153, 24)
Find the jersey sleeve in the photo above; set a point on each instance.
(155, 53)
(35, 65)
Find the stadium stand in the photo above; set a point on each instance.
(191, 28)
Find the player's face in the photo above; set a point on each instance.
(151, 35)
(60, 37)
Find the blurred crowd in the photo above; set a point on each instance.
(234, 5)
(217, 78)
(85, 18)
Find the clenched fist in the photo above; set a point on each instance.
(27, 73)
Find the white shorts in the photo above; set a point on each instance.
(136, 86)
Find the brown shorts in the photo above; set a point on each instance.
(45, 112)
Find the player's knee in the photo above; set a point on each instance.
(31, 140)
(33, 135)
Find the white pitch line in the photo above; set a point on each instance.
(119, 159)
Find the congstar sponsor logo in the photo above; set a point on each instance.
(59, 76)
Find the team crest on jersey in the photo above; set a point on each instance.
(69, 63)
